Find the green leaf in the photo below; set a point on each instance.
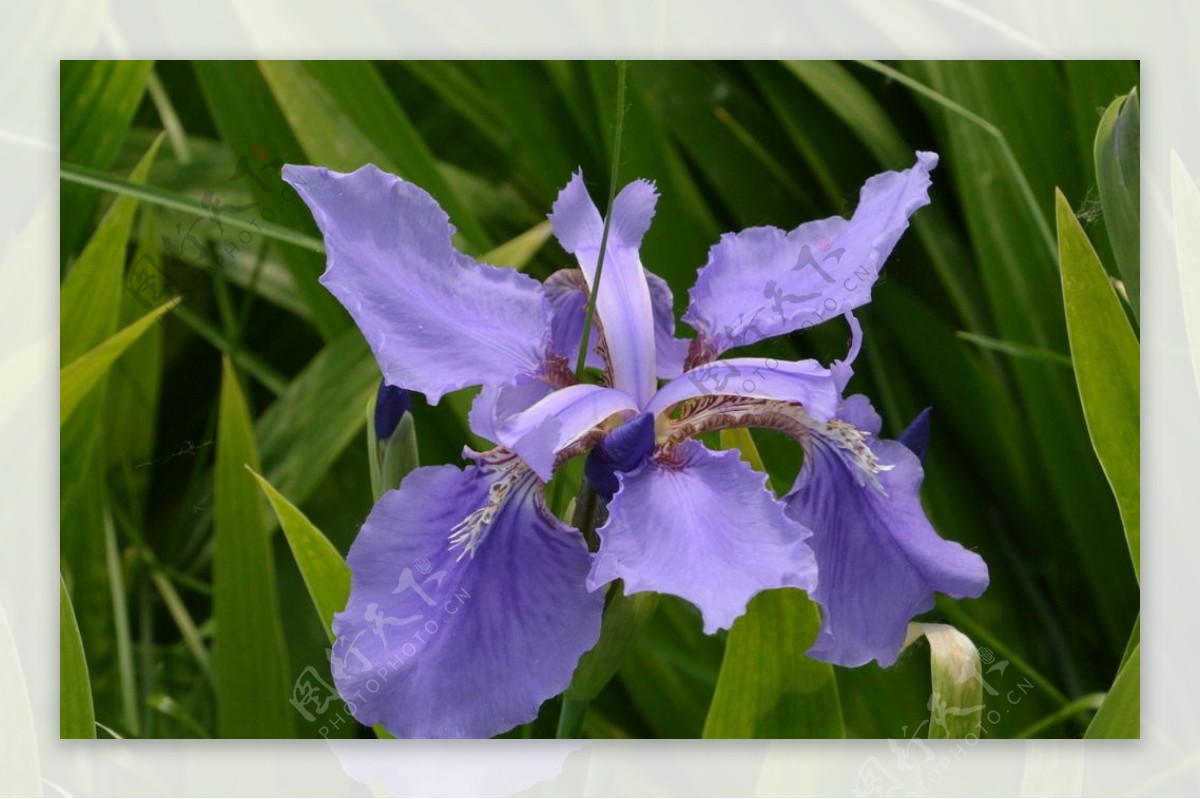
(311, 424)
(82, 375)
(254, 129)
(249, 660)
(768, 687)
(517, 252)
(956, 701)
(20, 771)
(1120, 715)
(98, 100)
(90, 312)
(324, 570)
(1107, 368)
(1118, 174)
(90, 300)
(152, 195)
(1015, 349)
(624, 618)
(76, 716)
(344, 117)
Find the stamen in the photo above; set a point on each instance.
(511, 471)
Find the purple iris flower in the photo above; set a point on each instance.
(471, 603)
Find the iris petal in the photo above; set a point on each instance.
(433, 644)
(623, 303)
(566, 290)
(701, 525)
(806, 382)
(880, 560)
(765, 282)
(541, 431)
(436, 319)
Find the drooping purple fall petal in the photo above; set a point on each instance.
(704, 527)
(466, 642)
(879, 559)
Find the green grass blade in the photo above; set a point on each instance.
(1082, 705)
(90, 311)
(1120, 715)
(850, 101)
(75, 173)
(1107, 368)
(76, 716)
(768, 687)
(624, 618)
(324, 570)
(1015, 349)
(956, 701)
(344, 117)
(311, 424)
(1018, 173)
(98, 100)
(254, 129)
(1118, 174)
(517, 252)
(249, 660)
(82, 375)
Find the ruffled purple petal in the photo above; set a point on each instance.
(703, 526)
(806, 382)
(623, 302)
(541, 431)
(567, 293)
(670, 352)
(763, 282)
(436, 320)
(494, 405)
(879, 559)
(436, 643)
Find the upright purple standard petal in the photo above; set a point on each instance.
(880, 561)
(466, 642)
(567, 292)
(701, 525)
(623, 302)
(763, 282)
(436, 320)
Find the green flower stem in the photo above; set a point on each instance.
(581, 361)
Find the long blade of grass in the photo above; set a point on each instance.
(1120, 715)
(1118, 175)
(249, 660)
(1107, 369)
(152, 195)
(82, 375)
(323, 568)
(1018, 173)
(76, 716)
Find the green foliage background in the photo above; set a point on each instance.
(259, 365)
